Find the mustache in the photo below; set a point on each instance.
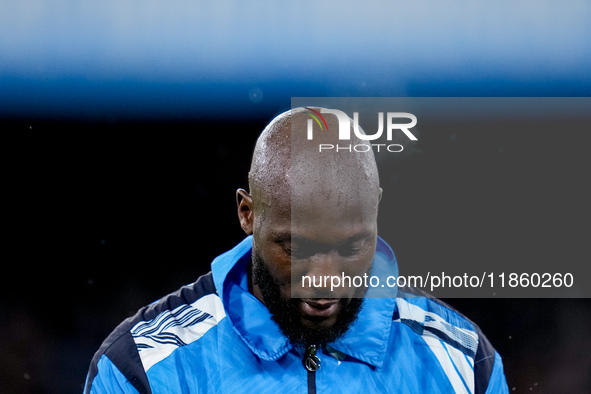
(285, 311)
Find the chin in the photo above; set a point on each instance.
(316, 322)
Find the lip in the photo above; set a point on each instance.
(320, 307)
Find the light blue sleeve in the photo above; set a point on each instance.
(497, 384)
(110, 380)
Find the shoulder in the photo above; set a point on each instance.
(154, 332)
(454, 339)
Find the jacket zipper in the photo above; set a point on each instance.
(312, 363)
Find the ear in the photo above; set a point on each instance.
(245, 210)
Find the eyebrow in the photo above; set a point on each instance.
(288, 236)
(282, 236)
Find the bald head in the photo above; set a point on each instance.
(287, 167)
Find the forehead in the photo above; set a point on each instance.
(323, 217)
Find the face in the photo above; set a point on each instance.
(316, 238)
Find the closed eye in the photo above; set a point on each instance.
(352, 249)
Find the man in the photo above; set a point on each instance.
(254, 324)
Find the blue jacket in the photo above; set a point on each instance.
(213, 336)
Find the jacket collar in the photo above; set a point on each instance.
(366, 340)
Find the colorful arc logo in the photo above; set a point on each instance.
(315, 115)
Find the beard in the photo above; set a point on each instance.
(286, 314)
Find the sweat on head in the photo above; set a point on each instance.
(289, 171)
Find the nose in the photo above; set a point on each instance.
(319, 277)
(326, 264)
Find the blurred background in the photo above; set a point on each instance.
(128, 125)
